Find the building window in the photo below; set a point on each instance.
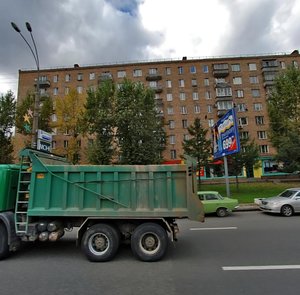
(240, 93)
(244, 134)
(55, 91)
(237, 80)
(196, 109)
(121, 74)
(168, 71)
(92, 76)
(224, 105)
(205, 69)
(259, 120)
(152, 71)
(181, 82)
(180, 70)
(211, 122)
(173, 154)
(257, 107)
(171, 124)
(193, 70)
(243, 121)
(186, 137)
(241, 107)
(253, 79)
(262, 134)
(206, 82)
(295, 64)
(53, 118)
(67, 90)
(282, 64)
(137, 73)
(184, 124)
(79, 89)
(66, 143)
(68, 78)
(224, 91)
(182, 95)
(53, 144)
(170, 111)
(235, 67)
(79, 77)
(194, 82)
(209, 108)
(195, 96)
(172, 139)
(252, 67)
(264, 149)
(255, 92)
(183, 110)
(169, 84)
(207, 95)
(55, 78)
(169, 97)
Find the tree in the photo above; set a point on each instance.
(247, 158)
(284, 114)
(99, 120)
(198, 146)
(24, 115)
(139, 132)
(68, 111)
(7, 121)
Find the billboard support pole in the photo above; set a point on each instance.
(226, 177)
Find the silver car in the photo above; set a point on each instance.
(287, 203)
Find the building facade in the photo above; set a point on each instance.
(184, 89)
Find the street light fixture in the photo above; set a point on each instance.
(35, 120)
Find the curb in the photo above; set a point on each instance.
(247, 207)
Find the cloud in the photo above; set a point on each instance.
(110, 31)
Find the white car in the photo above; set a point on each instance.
(286, 203)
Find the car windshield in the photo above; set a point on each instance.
(287, 194)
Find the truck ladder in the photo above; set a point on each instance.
(22, 200)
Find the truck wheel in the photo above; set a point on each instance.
(100, 242)
(4, 250)
(149, 242)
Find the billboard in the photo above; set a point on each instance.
(44, 141)
(226, 139)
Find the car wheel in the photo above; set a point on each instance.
(287, 210)
(222, 212)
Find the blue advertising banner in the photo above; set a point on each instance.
(226, 139)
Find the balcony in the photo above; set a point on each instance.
(269, 83)
(220, 70)
(153, 77)
(104, 77)
(157, 88)
(269, 65)
(221, 113)
(43, 84)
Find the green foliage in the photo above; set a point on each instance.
(7, 120)
(99, 120)
(125, 124)
(198, 146)
(248, 157)
(26, 107)
(284, 114)
(140, 132)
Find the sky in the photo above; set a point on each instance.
(110, 31)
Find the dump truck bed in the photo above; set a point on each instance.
(113, 191)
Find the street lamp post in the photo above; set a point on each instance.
(35, 120)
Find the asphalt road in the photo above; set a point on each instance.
(205, 260)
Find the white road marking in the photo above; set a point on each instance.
(260, 267)
(213, 228)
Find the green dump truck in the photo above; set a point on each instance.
(44, 196)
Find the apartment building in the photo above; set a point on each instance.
(184, 89)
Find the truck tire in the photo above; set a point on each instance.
(149, 242)
(100, 242)
(4, 249)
